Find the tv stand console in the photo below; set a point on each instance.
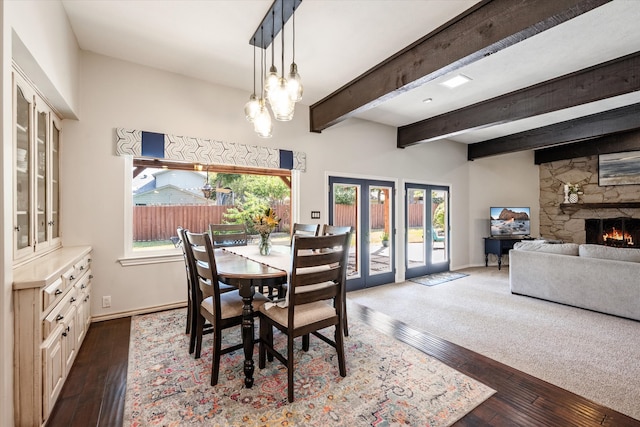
(499, 246)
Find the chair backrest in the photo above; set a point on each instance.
(202, 263)
(329, 230)
(304, 230)
(317, 271)
(228, 235)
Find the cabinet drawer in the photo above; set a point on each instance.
(83, 283)
(52, 294)
(70, 277)
(57, 315)
(83, 264)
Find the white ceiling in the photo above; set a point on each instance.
(336, 41)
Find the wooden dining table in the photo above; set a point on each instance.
(246, 274)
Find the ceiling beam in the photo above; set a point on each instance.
(606, 80)
(487, 28)
(616, 143)
(581, 129)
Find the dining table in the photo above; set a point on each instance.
(246, 273)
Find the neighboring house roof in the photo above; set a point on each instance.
(169, 195)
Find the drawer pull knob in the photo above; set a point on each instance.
(91, 276)
(72, 277)
(57, 292)
(82, 286)
(73, 299)
(59, 317)
(81, 267)
(64, 334)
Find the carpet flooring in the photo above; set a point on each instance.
(591, 354)
(387, 382)
(438, 278)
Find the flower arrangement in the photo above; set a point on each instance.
(266, 222)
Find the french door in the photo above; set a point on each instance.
(367, 206)
(427, 229)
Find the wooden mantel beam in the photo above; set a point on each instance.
(488, 27)
(621, 119)
(606, 80)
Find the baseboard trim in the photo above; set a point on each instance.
(145, 310)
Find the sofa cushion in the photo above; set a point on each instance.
(608, 252)
(552, 248)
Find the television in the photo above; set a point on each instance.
(510, 222)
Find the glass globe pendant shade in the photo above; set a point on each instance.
(251, 108)
(281, 104)
(271, 81)
(262, 122)
(294, 84)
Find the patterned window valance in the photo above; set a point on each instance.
(138, 143)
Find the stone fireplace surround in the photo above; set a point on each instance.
(567, 221)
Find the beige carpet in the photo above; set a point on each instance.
(594, 355)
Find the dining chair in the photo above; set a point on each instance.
(299, 229)
(228, 235)
(330, 230)
(314, 301)
(222, 310)
(192, 289)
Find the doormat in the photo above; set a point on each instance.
(437, 278)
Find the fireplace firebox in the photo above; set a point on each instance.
(619, 232)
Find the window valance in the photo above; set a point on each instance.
(138, 143)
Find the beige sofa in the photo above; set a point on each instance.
(594, 277)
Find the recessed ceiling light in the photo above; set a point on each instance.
(427, 100)
(456, 81)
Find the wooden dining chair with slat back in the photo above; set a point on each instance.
(314, 301)
(192, 288)
(222, 310)
(228, 235)
(331, 230)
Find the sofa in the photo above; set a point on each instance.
(594, 277)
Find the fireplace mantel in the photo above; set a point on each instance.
(573, 207)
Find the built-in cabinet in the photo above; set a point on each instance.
(51, 317)
(36, 171)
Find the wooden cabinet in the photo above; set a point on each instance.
(36, 143)
(52, 315)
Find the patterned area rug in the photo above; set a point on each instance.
(437, 278)
(387, 382)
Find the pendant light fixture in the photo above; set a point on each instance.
(252, 106)
(277, 92)
(294, 83)
(262, 124)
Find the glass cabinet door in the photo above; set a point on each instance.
(55, 181)
(41, 178)
(22, 198)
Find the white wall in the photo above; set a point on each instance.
(506, 180)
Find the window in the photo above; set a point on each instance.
(165, 195)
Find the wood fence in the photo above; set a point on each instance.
(151, 223)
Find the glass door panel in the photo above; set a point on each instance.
(41, 181)
(22, 221)
(367, 206)
(55, 179)
(427, 225)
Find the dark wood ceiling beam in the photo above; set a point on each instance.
(606, 80)
(616, 143)
(581, 129)
(488, 27)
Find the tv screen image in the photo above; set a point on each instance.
(506, 221)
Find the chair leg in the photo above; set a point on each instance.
(215, 359)
(339, 340)
(193, 329)
(290, 368)
(198, 335)
(262, 346)
(188, 329)
(344, 317)
(305, 342)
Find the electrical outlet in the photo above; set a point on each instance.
(106, 301)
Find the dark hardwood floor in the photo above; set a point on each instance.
(94, 392)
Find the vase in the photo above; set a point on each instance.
(573, 198)
(265, 244)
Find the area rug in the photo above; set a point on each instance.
(438, 278)
(387, 382)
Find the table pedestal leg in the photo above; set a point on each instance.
(247, 340)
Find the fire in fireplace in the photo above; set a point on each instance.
(619, 232)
